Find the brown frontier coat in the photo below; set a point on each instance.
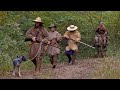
(41, 34)
(72, 45)
(54, 37)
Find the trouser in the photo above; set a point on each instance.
(53, 60)
(38, 61)
(71, 56)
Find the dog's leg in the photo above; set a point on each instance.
(19, 74)
(14, 69)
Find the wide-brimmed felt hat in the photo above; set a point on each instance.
(72, 28)
(52, 25)
(38, 19)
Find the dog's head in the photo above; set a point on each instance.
(24, 58)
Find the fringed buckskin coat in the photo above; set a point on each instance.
(72, 44)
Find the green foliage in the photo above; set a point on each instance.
(14, 24)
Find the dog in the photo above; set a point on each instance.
(16, 64)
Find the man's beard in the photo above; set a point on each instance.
(37, 26)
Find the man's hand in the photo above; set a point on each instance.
(78, 39)
(42, 40)
(34, 39)
(66, 37)
(48, 42)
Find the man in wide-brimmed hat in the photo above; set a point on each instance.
(73, 37)
(37, 33)
(54, 39)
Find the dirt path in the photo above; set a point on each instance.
(82, 69)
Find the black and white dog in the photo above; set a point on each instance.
(16, 64)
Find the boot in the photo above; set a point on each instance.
(54, 66)
(55, 57)
(69, 58)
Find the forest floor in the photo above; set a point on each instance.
(82, 69)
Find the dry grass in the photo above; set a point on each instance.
(108, 68)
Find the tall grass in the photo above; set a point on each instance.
(108, 68)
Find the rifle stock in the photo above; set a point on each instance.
(28, 39)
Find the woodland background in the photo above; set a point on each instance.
(14, 24)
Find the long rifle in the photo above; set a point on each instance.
(87, 45)
(63, 27)
(41, 41)
(83, 43)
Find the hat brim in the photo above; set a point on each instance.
(52, 26)
(69, 29)
(37, 21)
